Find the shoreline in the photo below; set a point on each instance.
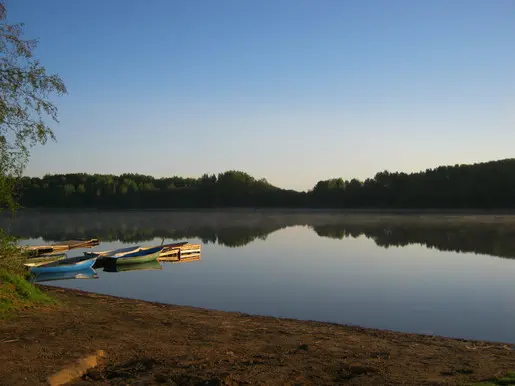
(356, 211)
(73, 291)
(150, 343)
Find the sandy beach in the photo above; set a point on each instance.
(149, 343)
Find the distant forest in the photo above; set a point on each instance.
(488, 185)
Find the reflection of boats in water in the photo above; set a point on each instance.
(148, 266)
(87, 273)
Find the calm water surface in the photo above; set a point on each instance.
(319, 273)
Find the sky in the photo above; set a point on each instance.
(294, 91)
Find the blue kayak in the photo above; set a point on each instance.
(65, 265)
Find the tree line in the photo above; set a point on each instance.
(488, 185)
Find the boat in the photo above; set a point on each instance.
(65, 265)
(141, 255)
(45, 259)
(87, 273)
(51, 254)
(70, 244)
(168, 247)
(38, 250)
(112, 252)
(153, 265)
(123, 251)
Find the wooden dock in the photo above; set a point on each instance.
(188, 252)
(60, 247)
(184, 259)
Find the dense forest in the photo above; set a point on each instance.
(483, 185)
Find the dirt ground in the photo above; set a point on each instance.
(147, 343)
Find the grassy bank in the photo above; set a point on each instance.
(506, 379)
(16, 293)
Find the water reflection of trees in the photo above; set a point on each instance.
(490, 239)
(229, 237)
(235, 229)
(136, 228)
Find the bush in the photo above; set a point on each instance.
(11, 258)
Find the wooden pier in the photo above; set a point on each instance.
(184, 259)
(187, 252)
(60, 247)
(179, 253)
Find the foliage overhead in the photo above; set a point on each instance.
(25, 105)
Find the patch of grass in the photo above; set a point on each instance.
(17, 293)
(507, 379)
(11, 257)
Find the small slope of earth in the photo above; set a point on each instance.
(148, 343)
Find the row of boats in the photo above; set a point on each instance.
(123, 256)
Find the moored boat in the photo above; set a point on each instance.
(37, 250)
(51, 254)
(37, 261)
(65, 265)
(141, 255)
(112, 252)
(168, 247)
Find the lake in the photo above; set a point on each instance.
(431, 274)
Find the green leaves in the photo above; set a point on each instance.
(25, 108)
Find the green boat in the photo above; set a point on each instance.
(140, 256)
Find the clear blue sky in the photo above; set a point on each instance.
(292, 90)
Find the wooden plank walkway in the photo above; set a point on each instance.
(60, 247)
(184, 259)
(187, 252)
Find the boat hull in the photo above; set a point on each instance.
(38, 261)
(63, 266)
(114, 252)
(59, 247)
(87, 273)
(139, 256)
(136, 259)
